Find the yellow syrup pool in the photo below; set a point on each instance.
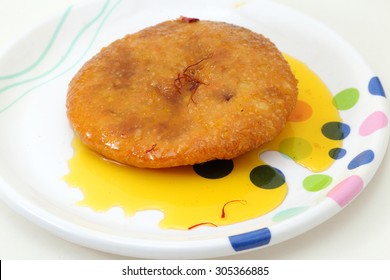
(220, 192)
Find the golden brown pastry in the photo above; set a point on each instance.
(182, 92)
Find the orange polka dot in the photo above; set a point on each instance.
(302, 112)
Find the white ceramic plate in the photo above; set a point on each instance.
(36, 137)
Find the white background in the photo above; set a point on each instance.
(360, 231)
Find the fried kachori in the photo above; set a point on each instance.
(182, 92)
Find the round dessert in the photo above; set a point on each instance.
(182, 92)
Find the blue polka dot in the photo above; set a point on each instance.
(375, 87)
(335, 130)
(267, 177)
(249, 240)
(337, 153)
(364, 157)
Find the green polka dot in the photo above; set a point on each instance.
(296, 148)
(316, 182)
(267, 177)
(288, 213)
(346, 99)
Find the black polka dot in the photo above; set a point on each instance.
(267, 177)
(214, 169)
(337, 153)
(335, 130)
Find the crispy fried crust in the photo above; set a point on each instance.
(182, 92)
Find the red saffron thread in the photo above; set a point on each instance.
(202, 224)
(183, 78)
(151, 149)
(188, 19)
(192, 65)
(243, 202)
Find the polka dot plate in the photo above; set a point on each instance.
(36, 136)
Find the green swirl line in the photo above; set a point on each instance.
(83, 30)
(74, 64)
(45, 51)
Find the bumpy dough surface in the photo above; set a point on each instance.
(181, 93)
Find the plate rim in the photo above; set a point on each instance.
(38, 216)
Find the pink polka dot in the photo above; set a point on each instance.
(372, 123)
(346, 190)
